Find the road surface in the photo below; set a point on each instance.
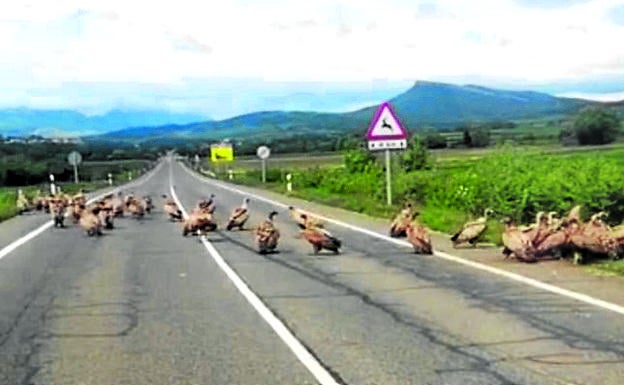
(145, 305)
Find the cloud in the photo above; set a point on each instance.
(616, 14)
(550, 3)
(606, 97)
(163, 45)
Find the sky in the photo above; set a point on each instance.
(220, 59)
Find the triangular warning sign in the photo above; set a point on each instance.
(385, 125)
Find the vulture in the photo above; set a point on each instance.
(539, 230)
(302, 218)
(239, 216)
(57, 210)
(207, 205)
(554, 222)
(472, 230)
(135, 207)
(267, 234)
(419, 237)
(90, 221)
(118, 205)
(171, 208)
(199, 220)
(148, 205)
(575, 214)
(319, 238)
(401, 221)
(555, 242)
(517, 243)
(595, 237)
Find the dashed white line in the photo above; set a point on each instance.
(34, 233)
(304, 356)
(466, 262)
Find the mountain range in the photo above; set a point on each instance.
(437, 105)
(24, 121)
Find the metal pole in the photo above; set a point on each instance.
(388, 179)
(76, 173)
(263, 170)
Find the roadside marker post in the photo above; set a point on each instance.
(52, 186)
(110, 179)
(386, 133)
(289, 182)
(263, 153)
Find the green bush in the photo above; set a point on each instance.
(415, 157)
(359, 160)
(435, 141)
(596, 126)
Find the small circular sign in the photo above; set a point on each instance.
(263, 152)
(74, 158)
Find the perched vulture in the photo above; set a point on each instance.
(419, 237)
(517, 243)
(398, 227)
(239, 216)
(319, 238)
(472, 230)
(267, 235)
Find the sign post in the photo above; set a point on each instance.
(386, 133)
(74, 158)
(221, 153)
(52, 186)
(263, 153)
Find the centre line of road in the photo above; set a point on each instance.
(305, 357)
(34, 233)
(440, 254)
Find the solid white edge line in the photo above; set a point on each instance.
(440, 254)
(305, 357)
(34, 233)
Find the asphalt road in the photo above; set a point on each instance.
(144, 305)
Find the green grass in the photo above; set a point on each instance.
(8, 208)
(607, 268)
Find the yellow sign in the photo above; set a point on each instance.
(222, 152)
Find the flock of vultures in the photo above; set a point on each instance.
(100, 215)
(550, 236)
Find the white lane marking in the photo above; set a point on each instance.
(34, 233)
(440, 254)
(306, 358)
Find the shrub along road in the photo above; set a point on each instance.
(143, 305)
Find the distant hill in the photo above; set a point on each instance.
(439, 103)
(24, 121)
(426, 103)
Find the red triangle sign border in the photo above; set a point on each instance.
(377, 117)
